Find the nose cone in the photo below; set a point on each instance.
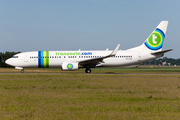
(8, 61)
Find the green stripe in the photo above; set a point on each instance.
(47, 59)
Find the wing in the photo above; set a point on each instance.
(94, 61)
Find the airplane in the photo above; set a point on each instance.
(74, 60)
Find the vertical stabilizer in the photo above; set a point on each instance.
(156, 39)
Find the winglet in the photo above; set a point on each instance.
(115, 50)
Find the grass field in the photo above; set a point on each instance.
(90, 96)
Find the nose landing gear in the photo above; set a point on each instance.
(22, 71)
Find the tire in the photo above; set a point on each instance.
(88, 70)
(22, 71)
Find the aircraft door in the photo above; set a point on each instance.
(25, 57)
(139, 56)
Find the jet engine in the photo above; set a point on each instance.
(70, 66)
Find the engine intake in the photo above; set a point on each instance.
(70, 66)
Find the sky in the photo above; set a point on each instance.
(33, 25)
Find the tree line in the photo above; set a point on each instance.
(4, 56)
(163, 61)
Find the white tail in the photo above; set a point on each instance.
(156, 39)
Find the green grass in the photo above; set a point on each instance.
(89, 96)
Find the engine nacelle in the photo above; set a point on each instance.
(70, 66)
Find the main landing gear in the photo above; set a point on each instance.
(88, 70)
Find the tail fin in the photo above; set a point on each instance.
(156, 39)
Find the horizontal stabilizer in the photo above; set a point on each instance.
(161, 52)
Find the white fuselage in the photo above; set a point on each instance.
(55, 59)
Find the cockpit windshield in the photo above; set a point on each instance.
(14, 56)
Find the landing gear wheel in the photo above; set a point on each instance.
(22, 71)
(88, 70)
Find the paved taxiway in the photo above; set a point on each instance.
(91, 73)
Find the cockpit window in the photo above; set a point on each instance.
(14, 56)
